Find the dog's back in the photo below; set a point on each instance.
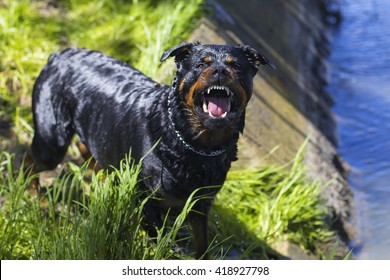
(90, 94)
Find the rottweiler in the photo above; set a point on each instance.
(113, 108)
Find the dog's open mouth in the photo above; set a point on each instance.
(217, 101)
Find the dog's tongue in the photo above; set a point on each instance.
(217, 105)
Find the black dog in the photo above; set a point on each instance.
(112, 107)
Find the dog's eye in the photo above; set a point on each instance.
(200, 66)
(233, 63)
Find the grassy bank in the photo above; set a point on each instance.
(68, 223)
(100, 218)
(254, 210)
(275, 204)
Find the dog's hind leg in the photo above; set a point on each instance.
(44, 154)
(47, 153)
(48, 148)
(53, 126)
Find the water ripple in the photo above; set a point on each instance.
(361, 88)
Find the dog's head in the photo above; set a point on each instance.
(215, 83)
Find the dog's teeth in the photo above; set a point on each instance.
(224, 88)
(211, 115)
(205, 107)
(224, 114)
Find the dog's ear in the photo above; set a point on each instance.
(254, 57)
(180, 52)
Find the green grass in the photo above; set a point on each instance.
(275, 204)
(254, 210)
(67, 223)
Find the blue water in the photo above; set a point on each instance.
(360, 86)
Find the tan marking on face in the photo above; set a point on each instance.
(182, 83)
(229, 59)
(243, 97)
(196, 87)
(190, 97)
(237, 89)
(207, 59)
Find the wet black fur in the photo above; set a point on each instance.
(112, 107)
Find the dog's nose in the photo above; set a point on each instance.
(219, 73)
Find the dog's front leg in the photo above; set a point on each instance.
(198, 218)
